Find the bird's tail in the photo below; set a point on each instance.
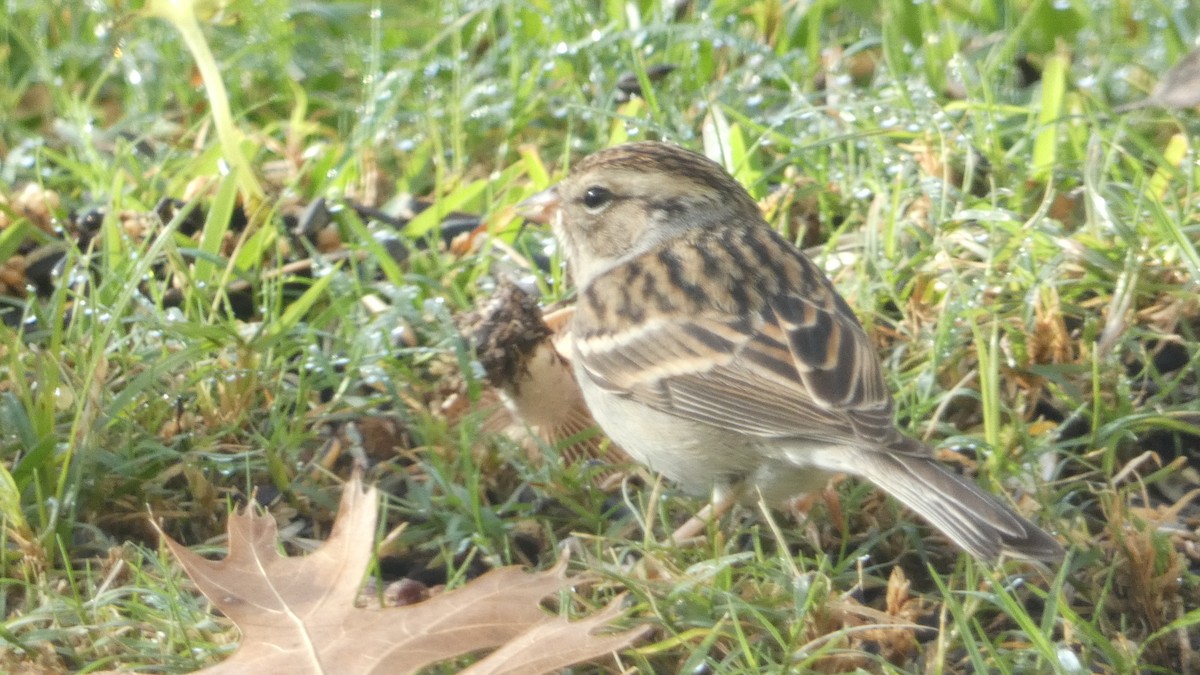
(975, 520)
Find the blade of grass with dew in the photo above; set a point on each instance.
(379, 253)
(725, 144)
(987, 344)
(967, 626)
(535, 169)
(12, 237)
(619, 128)
(182, 15)
(1170, 228)
(15, 524)
(697, 653)
(147, 379)
(36, 441)
(940, 52)
(297, 310)
(510, 175)
(207, 269)
(1168, 167)
(249, 252)
(647, 87)
(118, 289)
(1184, 625)
(1032, 630)
(1045, 142)
(458, 198)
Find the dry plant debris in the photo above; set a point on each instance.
(520, 349)
(298, 614)
(894, 633)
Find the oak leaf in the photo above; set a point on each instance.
(297, 615)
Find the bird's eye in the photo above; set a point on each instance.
(596, 197)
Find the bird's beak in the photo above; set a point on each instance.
(541, 207)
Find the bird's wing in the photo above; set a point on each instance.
(795, 364)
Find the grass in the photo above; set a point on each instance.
(1025, 258)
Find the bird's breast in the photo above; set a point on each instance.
(697, 456)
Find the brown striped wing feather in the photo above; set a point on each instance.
(791, 360)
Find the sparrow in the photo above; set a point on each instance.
(716, 353)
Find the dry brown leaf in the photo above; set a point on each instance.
(297, 615)
(528, 652)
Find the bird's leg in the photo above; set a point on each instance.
(723, 498)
